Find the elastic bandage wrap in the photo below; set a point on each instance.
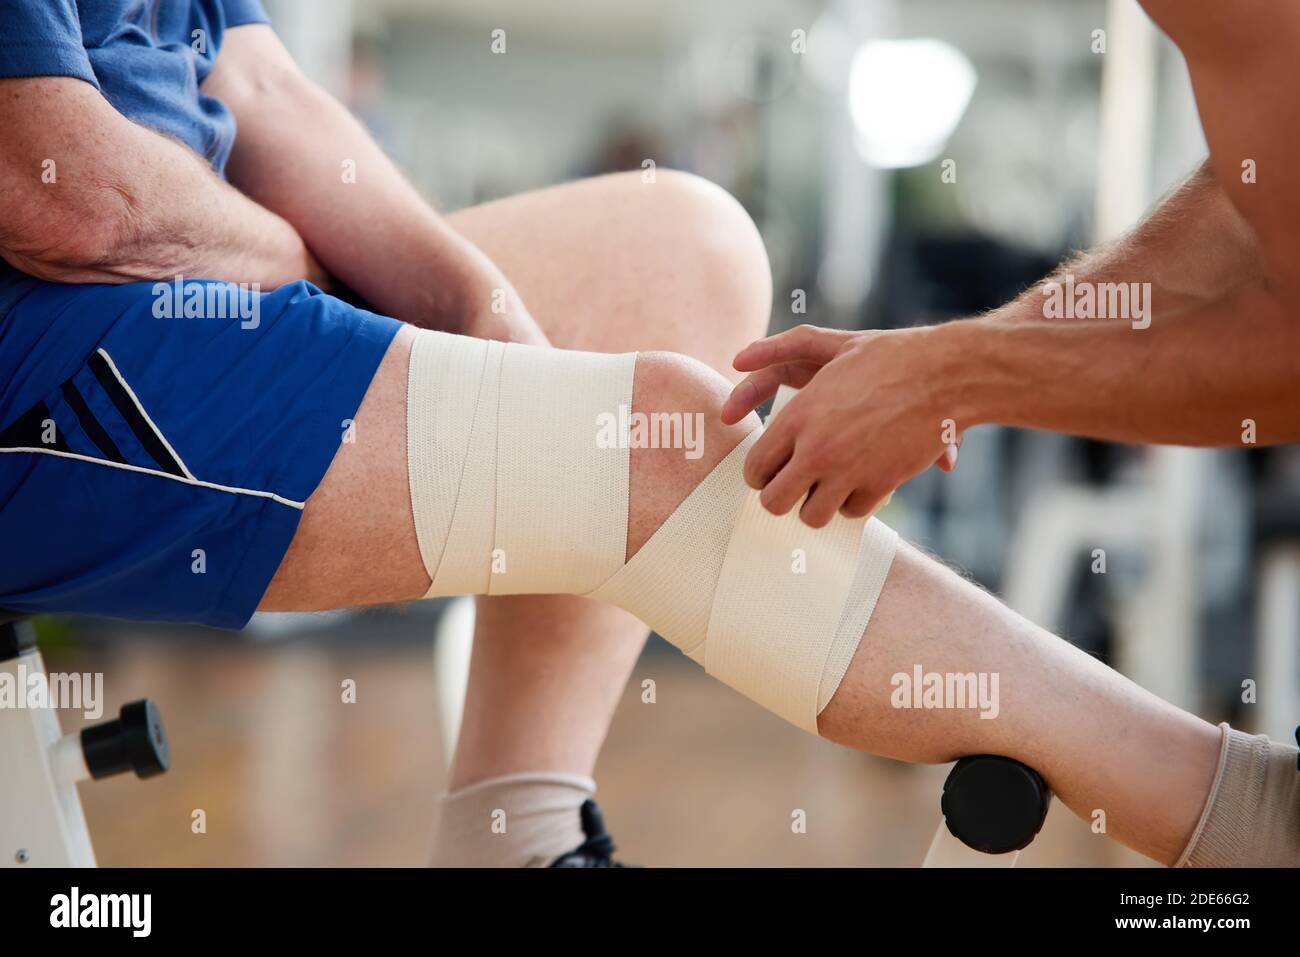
(519, 462)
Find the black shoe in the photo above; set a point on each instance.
(598, 849)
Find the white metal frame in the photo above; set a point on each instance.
(948, 851)
(41, 821)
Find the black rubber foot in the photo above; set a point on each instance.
(994, 804)
(17, 637)
(134, 741)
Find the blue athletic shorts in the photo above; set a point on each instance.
(155, 468)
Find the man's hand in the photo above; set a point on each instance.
(498, 313)
(871, 415)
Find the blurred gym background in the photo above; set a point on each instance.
(831, 121)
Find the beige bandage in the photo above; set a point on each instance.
(515, 492)
(511, 491)
(764, 603)
(809, 582)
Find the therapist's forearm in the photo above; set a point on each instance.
(1192, 248)
(1190, 381)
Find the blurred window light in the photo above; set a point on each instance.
(830, 53)
(906, 98)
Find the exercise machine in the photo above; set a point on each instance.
(41, 821)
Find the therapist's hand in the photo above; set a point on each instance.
(873, 412)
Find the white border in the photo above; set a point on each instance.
(191, 480)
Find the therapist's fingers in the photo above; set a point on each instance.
(864, 501)
(772, 451)
(757, 387)
(788, 486)
(823, 502)
(800, 344)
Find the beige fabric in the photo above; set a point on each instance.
(721, 580)
(671, 581)
(451, 398)
(561, 498)
(510, 490)
(513, 494)
(1252, 816)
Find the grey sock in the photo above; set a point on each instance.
(518, 820)
(1252, 816)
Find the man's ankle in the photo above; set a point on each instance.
(517, 820)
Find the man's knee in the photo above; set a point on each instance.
(702, 234)
(682, 437)
(632, 456)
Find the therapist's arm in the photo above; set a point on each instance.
(884, 407)
(1193, 248)
(302, 154)
(879, 407)
(1215, 363)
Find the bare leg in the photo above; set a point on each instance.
(610, 264)
(605, 265)
(1103, 743)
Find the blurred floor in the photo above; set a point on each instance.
(287, 774)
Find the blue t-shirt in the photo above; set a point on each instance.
(148, 58)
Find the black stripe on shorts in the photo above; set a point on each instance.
(28, 432)
(134, 418)
(90, 425)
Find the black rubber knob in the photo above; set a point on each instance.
(17, 637)
(994, 804)
(134, 741)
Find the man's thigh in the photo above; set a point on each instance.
(158, 444)
(356, 542)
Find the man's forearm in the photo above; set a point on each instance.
(1191, 381)
(302, 154)
(364, 222)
